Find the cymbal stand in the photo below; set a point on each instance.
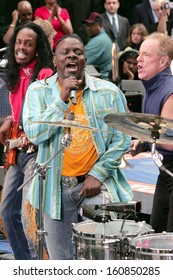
(158, 158)
(41, 169)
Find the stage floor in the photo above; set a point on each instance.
(142, 176)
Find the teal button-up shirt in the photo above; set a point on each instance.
(100, 97)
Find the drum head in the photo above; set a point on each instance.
(153, 246)
(111, 229)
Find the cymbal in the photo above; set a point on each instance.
(69, 123)
(145, 127)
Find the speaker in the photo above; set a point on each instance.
(134, 92)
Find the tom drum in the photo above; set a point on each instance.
(106, 241)
(158, 246)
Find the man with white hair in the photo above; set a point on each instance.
(155, 56)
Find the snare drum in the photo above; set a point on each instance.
(106, 241)
(158, 246)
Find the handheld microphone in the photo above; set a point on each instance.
(73, 96)
(73, 93)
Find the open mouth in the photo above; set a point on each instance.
(139, 68)
(21, 55)
(71, 66)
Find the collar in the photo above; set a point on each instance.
(28, 70)
(111, 16)
(89, 81)
(156, 81)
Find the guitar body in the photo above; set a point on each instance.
(11, 153)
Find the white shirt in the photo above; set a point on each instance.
(111, 19)
(154, 14)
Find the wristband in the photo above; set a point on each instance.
(9, 118)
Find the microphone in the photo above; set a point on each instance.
(73, 94)
(129, 207)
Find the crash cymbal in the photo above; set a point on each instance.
(69, 123)
(145, 127)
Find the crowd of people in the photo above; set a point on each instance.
(58, 108)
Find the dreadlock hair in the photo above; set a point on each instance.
(44, 58)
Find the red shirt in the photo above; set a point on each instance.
(44, 13)
(17, 97)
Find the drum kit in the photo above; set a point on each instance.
(124, 239)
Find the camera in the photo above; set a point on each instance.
(168, 5)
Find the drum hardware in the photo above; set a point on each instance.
(145, 127)
(130, 208)
(120, 244)
(88, 211)
(158, 158)
(120, 207)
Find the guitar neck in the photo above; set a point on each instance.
(12, 143)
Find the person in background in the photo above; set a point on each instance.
(29, 58)
(165, 19)
(116, 26)
(127, 63)
(136, 36)
(98, 50)
(143, 13)
(21, 16)
(155, 56)
(58, 16)
(48, 29)
(91, 163)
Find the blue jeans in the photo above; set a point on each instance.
(12, 205)
(59, 232)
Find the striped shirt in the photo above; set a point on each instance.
(99, 98)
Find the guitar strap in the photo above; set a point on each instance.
(20, 123)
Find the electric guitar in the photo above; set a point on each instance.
(18, 140)
(9, 148)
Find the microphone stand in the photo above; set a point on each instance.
(41, 169)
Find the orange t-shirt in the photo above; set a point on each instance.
(81, 155)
